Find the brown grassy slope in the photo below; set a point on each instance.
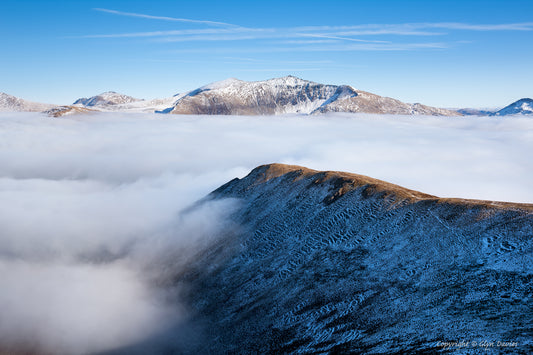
(348, 181)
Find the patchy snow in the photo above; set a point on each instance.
(11, 103)
(342, 263)
(113, 102)
(105, 99)
(520, 107)
(289, 94)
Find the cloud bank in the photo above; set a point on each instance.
(92, 218)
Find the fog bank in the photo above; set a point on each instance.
(91, 207)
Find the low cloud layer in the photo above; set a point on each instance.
(91, 206)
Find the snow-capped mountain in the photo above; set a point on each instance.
(106, 99)
(290, 95)
(12, 103)
(520, 107)
(270, 97)
(115, 102)
(284, 95)
(331, 262)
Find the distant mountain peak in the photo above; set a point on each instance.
(290, 94)
(105, 99)
(289, 80)
(222, 84)
(12, 103)
(521, 107)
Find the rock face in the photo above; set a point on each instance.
(106, 99)
(290, 95)
(520, 107)
(330, 262)
(12, 103)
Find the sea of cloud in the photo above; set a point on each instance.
(91, 207)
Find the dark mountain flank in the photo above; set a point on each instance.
(332, 262)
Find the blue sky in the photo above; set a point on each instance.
(441, 53)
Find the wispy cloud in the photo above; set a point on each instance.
(277, 70)
(163, 18)
(189, 32)
(344, 33)
(526, 26)
(308, 38)
(310, 41)
(417, 29)
(319, 48)
(342, 38)
(296, 35)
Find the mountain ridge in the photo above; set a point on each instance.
(284, 95)
(335, 262)
(15, 104)
(105, 99)
(290, 94)
(350, 181)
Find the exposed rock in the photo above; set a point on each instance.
(290, 95)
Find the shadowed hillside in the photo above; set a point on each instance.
(330, 262)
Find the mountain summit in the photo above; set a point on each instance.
(290, 95)
(106, 99)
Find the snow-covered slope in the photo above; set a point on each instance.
(290, 95)
(370, 103)
(270, 97)
(330, 262)
(114, 102)
(12, 103)
(520, 107)
(106, 99)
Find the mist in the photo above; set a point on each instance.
(94, 209)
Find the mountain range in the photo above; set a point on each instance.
(15, 104)
(334, 263)
(286, 95)
(290, 95)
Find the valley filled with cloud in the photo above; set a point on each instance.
(94, 210)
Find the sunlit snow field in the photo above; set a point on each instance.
(75, 189)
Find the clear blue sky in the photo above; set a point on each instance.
(442, 53)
